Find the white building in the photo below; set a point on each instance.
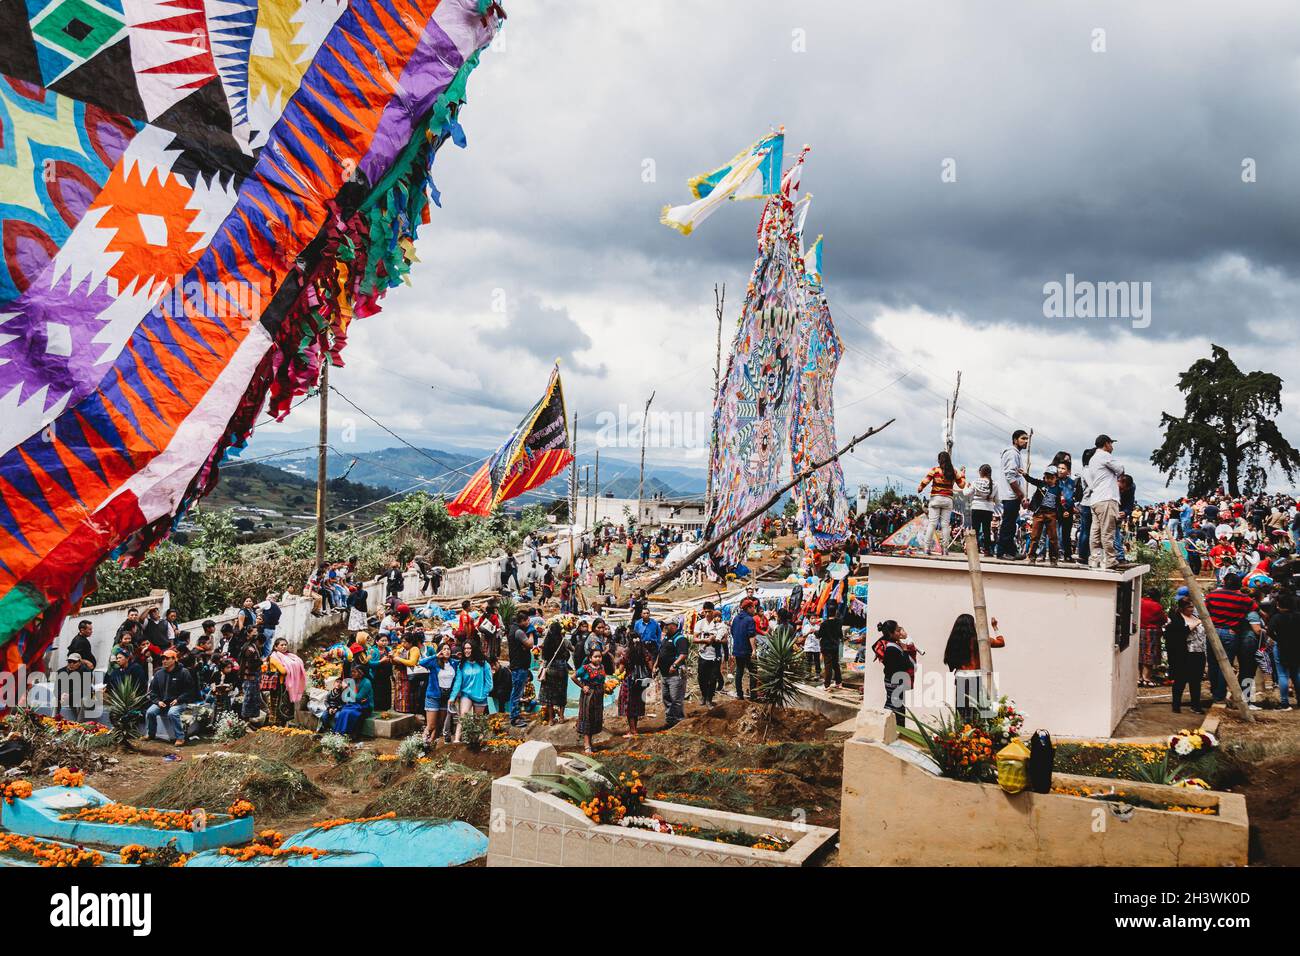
(674, 514)
(1071, 657)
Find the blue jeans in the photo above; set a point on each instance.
(1119, 545)
(1282, 677)
(268, 640)
(1007, 530)
(518, 678)
(1219, 683)
(172, 716)
(1085, 527)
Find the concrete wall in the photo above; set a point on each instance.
(896, 812)
(106, 618)
(1060, 663)
(540, 829)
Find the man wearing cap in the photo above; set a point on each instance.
(1103, 499)
(171, 688)
(74, 681)
(671, 664)
(744, 644)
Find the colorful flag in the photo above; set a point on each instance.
(753, 173)
(535, 452)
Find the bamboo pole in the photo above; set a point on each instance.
(670, 574)
(1212, 635)
(981, 611)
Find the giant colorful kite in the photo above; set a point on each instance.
(196, 198)
(822, 502)
(775, 396)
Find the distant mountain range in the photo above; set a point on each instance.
(399, 469)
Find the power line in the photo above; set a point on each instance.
(249, 461)
(414, 448)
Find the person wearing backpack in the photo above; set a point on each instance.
(673, 651)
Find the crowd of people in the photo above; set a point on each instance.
(560, 652)
(241, 667)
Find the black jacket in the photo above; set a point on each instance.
(81, 645)
(174, 685)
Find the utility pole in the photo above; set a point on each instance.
(320, 460)
(719, 299)
(595, 508)
(586, 496)
(640, 482)
(951, 416)
(573, 476)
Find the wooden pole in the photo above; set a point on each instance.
(670, 574)
(573, 475)
(640, 481)
(1212, 635)
(321, 479)
(981, 612)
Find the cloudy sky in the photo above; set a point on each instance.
(1102, 140)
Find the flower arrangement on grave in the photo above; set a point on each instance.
(594, 789)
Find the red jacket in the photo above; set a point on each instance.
(1153, 615)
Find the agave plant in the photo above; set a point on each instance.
(507, 608)
(578, 783)
(126, 706)
(780, 665)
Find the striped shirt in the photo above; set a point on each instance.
(1228, 608)
(940, 487)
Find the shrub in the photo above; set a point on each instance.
(474, 729)
(336, 746)
(230, 726)
(411, 749)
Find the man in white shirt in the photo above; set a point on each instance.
(1103, 497)
(1011, 492)
(708, 637)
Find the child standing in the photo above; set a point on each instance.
(1046, 508)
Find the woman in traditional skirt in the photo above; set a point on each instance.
(284, 678)
(405, 656)
(591, 705)
(554, 675)
(635, 662)
(381, 673)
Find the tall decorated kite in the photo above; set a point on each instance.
(535, 452)
(822, 502)
(196, 199)
(775, 396)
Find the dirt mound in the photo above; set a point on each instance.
(741, 720)
(447, 791)
(781, 779)
(215, 780)
(364, 770)
(1272, 798)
